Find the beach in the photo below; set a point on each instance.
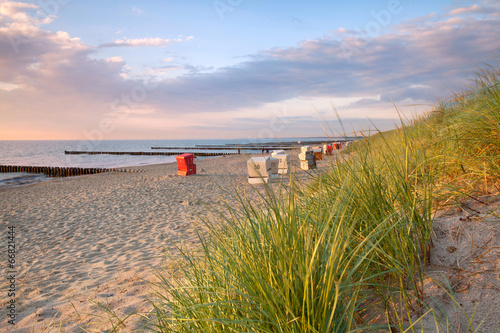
(97, 238)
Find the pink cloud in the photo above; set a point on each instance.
(470, 9)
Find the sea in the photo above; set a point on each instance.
(51, 154)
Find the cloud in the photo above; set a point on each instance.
(137, 10)
(141, 42)
(59, 86)
(17, 12)
(470, 9)
(8, 86)
(114, 59)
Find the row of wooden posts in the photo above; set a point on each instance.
(138, 153)
(221, 148)
(55, 171)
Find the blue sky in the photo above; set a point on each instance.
(225, 32)
(231, 68)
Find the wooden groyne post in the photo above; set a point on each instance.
(56, 171)
(67, 152)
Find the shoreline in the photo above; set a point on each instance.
(44, 177)
(128, 168)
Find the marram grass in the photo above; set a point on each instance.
(312, 260)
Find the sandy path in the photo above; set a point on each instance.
(95, 237)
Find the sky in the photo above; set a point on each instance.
(228, 69)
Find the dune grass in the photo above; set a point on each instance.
(346, 252)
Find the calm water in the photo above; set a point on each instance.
(51, 153)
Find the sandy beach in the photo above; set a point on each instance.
(95, 238)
